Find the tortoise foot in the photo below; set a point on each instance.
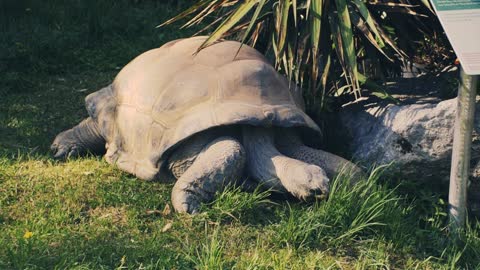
(66, 145)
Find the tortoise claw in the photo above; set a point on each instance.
(192, 207)
(64, 146)
(64, 152)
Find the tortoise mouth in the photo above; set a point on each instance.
(320, 194)
(321, 197)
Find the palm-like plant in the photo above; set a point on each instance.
(314, 40)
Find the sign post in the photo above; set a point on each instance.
(461, 21)
(462, 140)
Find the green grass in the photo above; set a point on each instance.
(85, 214)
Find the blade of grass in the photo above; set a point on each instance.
(315, 34)
(253, 21)
(229, 23)
(323, 79)
(294, 8)
(209, 26)
(392, 44)
(348, 47)
(187, 12)
(360, 24)
(213, 6)
(316, 9)
(406, 10)
(362, 8)
(283, 10)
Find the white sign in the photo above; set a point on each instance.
(461, 21)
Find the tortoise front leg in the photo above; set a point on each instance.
(79, 140)
(219, 163)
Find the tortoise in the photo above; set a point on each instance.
(209, 118)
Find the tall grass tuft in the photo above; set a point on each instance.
(210, 254)
(234, 204)
(351, 212)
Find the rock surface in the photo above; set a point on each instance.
(416, 135)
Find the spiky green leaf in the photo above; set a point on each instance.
(348, 47)
(230, 22)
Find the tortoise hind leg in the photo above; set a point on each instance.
(219, 163)
(281, 173)
(290, 144)
(79, 140)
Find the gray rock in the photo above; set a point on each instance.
(417, 137)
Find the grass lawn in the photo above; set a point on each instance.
(86, 214)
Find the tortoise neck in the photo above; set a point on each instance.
(88, 134)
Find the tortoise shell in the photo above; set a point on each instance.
(167, 94)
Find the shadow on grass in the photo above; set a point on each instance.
(54, 53)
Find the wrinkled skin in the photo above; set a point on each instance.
(274, 158)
